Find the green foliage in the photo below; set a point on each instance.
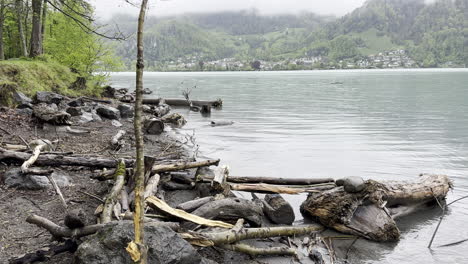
(343, 47)
(31, 76)
(66, 42)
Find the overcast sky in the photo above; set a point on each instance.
(104, 8)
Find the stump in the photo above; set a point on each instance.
(153, 126)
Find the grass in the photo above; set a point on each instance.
(375, 43)
(31, 76)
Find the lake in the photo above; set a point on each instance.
(377, 124)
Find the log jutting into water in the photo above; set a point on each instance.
(278, 181)
(182, 102)
(370, 212)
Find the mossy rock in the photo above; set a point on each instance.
(6, 94)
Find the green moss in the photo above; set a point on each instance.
(120, 169)
(31, 76)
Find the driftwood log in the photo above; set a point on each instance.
(183, 166)
(286, 189)
(278, 181)
(64, 160)
(370, 213)
(190, 206)
(182, 102)
(111, 200)
(230, 210)
(153, 126)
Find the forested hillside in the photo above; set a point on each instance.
(422, 33)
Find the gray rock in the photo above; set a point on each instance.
(108, 112)
(76, 103)
(108, 245)
(278, 210)
(126, 111)
(74, 111)
(24, 111)
(95, 115)
(116, 123)
(353, 184)
(84, 118)
(48, 98)
(15, 179)
(76, 218)
(25, 105)
(20, 98)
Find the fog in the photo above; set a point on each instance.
(105, 8)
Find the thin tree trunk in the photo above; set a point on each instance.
(43, 24)
(36, 39)
(19, 21)
(2, 21)
(140, 173)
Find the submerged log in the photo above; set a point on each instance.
(182, 102)
(369, 213)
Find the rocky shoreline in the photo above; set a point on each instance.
(66, 171)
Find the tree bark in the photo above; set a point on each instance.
(36, 36)
(2, 22)
(19, 22)
(43, 23)
(138, 218)
(190, 206)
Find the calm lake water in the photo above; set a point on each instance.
(377, 124)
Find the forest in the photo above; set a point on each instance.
(433, 34)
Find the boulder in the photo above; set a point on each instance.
(278, 210)
(95, 115)
(20, 98)
(86, 117)
(25, 105)
(126, 111)
(108, 112)
(76, 103)
(48, 98)
(174, 119)
(76, 218)
(352, 184)
(15, 179)
(74, 111)
(108, 245)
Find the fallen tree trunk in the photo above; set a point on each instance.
(194, 204)
(183, 166)
(230, 210)
(279, 181)
(64, 160)
(233, 236)
(255, 251)
(369, 213)
(182, 102)
(119, 180)
(158, 204)
(60, 231)
(268, 188)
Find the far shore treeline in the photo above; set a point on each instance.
(380, 34)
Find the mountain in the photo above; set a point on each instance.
(428, 33)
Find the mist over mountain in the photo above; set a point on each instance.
(423, 33)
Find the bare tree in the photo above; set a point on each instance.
(139, 174)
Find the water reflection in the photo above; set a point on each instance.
(374, 124)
